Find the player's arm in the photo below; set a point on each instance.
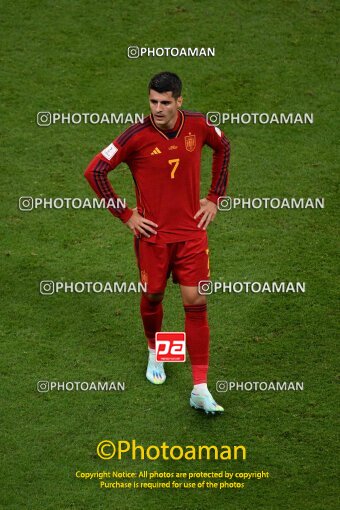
(96, 174)
(216, 139)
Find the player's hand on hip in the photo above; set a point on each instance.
(140, 225)
(208, 211)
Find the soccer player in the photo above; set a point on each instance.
(170, 221)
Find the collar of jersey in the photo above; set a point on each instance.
(163, 133)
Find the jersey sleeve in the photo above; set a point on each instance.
(216, 139)
(96, 174)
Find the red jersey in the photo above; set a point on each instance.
(166, 167)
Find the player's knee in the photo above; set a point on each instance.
(195, 300)
(155, 298)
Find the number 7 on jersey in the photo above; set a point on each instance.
(175, 163)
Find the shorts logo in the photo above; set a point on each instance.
(144, 276)
(110, 151)
(207, 252)
(170, 346)
(190, 142)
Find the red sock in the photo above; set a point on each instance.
(197, 336)
(152, 315)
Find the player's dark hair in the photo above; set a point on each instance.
(166, 82)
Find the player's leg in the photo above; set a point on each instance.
(150, 260)
(197, 332)
(192, 266)
(152, 314)
(151, 309)
(198, 339)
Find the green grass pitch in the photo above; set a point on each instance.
(271, 56)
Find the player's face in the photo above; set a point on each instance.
(164, 108)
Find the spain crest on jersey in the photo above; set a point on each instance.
(190, 142)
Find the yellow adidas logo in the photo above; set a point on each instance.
(156, 151)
